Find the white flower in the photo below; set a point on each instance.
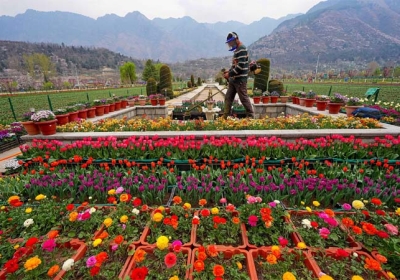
(90, 198)
(355, 255)
(68, 264)
(277, 201)
(28, 222)
(135, 211)
(92, 210)
(306, 223)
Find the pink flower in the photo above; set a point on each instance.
(346, 206)
(176, 245)
(119, 190)
(222, 200)
(323, 215)
(393, 230)
(272, 204)
(114, 247)
(324, 232)
(251, 200)
(170, 260)
(253, 220)
(283, 241)
(1, 232)
(91, 261)
(49, 245)
(331, 222)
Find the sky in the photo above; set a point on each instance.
(203, 11)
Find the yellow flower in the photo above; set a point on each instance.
(161, 208)
(157, 217)
(111, 192)
(16, 247)
(239, 265)
(174, 278)
(187, 206)
(398, 211)
(288, 276)
(357, 204)
(32, 263)
(357, 277)
(97, 242)
(40, 197)
(28, 210)
(108, 222)
(308, 209)
(391, 275)
(14, 197)
(316, 203)
(2, 207)
(123, 219)
(325, 277)
(301, 245)
(214, 211)
(302, 202)
(162, 242)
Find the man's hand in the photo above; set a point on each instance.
(226, 75)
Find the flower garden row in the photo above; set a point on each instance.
(257, 240)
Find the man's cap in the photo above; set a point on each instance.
(231, 36)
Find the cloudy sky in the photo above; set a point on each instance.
(209, 11)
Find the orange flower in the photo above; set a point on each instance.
(124, 197)
(329, 212)
(202, 256)
(357, 230)
(348, 222)
(202, 202)
(73, 216)
(218, 270)
(271, 259)
(52, 234)
(53, 270)
(212, 250)
(101, 257)
(380, 258)
(235, 220)
(119, 239)
(139, 255)
(198, 265)
(103, 235)
(177, 200)
(369, 228)
(372, 264)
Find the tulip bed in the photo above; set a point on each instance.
(326, 172)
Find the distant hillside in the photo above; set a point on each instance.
(356, 31)
(64, 57)
(168, 40)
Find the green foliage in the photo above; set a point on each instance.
(150, 71)
(48, 86)
(275, 85)
(128, 73)
(166, 81)
(189, 84)
(192, 80)
(199, 83)
(39, 62)
(261, 79)
(151, 87)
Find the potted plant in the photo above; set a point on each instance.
(352, 104)
(30, 127)
(142, 100)
(153, 99)
(162, 97)
(265, 97)
(284, 98)
(310, 98)
(99, 104)
(336, 102)
(91, 111)
(322, 102)
(274, 96)
(302, 98)
(257, 93)
(61, 116)
(132, 100)
(46, 121)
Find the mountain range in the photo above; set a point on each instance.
(168, 40)
(344, 33)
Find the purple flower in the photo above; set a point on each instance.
(346, 206)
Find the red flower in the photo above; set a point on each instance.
(382, 234)
(376, 201)
(119, 239)
(205, 212)
(340, 253)
(137, 202)
(70, 207)
(380, 212)
(195, 221)
(397, 199)
(139, 273)
(218, 270)
(101, 257)
(20, 253)
(94, 270)
(366, 213)
(111, 199)
(314, 224)
(11, 266)
(198, 265)
(31, 242)
(170, 259)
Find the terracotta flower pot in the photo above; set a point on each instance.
(284, 99)
(154, 102)
(334, 108)
(124, 103)
(131, 102)
(265, 99)
(302, 101)
(73, 116)
(256, 99)
(62, 119)
(309, 102)
(321, 105)
(351, 109)
(82, 114)
(91, 113)
(112, 107)
(99, 110)
(106, 108)
(117, 105)
(31, 127)
(161, 101)
(142, 102)
(47, 127)
(274, 99)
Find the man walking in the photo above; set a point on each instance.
(237, 76)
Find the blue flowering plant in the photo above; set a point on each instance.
(43, 115)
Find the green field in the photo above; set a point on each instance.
(19, 103)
